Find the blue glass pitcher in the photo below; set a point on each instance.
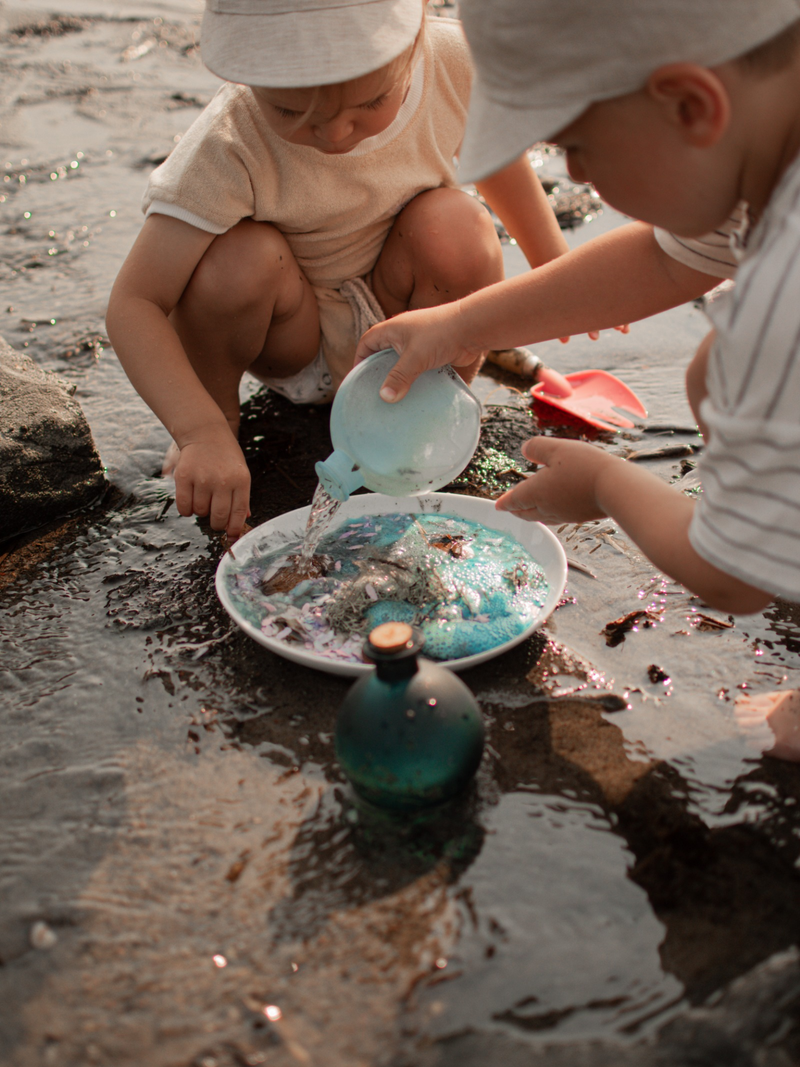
(416, 445)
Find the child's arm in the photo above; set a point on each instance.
(211, 476)
(621, 276)
(516, 196)
(578, 482)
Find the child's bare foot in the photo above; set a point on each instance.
(170, 460)
(772, 723)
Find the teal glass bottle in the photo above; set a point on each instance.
(414, 446)
(409, 734)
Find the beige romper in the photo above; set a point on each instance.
(334, 210)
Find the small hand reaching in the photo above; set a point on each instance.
(564, 489)
(212, 478)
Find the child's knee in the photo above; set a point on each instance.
(240, 266)
(454, 233)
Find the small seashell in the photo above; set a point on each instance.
(370, 591)
(42, 936)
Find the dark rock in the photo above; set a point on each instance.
(754, 1022)
(49, 465)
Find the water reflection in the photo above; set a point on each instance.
(347, 854)
(580, 831)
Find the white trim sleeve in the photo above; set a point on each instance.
(159, 207)
(711, 254)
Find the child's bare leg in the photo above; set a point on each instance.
(772, 723)
(696, 388)
(442, 246)
(247, 307)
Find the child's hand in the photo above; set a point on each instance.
(594, 335)
(564, 488)
(211, 478)
(423, 339)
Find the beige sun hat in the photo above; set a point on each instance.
(293, 44)
(541, 63)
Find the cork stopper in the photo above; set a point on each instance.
(391, 636)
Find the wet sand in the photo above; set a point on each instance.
(171, 807)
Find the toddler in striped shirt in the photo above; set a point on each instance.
(684, 114)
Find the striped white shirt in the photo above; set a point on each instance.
(715, 253)
(747, 522)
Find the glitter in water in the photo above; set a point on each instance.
(466, 587)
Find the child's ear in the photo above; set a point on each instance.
(693, 99)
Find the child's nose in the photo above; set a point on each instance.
(335, 130)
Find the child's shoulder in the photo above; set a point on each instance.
(230, 113)
(446, 37)
(231, 102)
(448, 46)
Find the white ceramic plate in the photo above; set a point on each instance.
(537, 539)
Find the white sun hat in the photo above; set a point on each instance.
(293, 44)
(541, 63)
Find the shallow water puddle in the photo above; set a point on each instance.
(526, 927)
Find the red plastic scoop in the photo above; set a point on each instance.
(597, 397)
